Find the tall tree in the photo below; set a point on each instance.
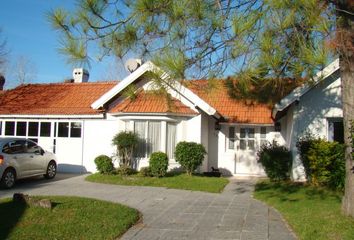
(258, 41)
(24, 70)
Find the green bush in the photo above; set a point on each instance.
(276, 161)
(145, 172)
(324, 162)
(190, 155)
(125, 170)
(158, 164)
(125, 142)
(104, 164)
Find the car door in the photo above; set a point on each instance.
(35, 158)
(17, 156)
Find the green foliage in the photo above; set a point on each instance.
(276, 161)
(190, 155)
(145, 172)
(124, 170)
(104, 164)
(125, 143)
(323, 161)
(158, 164)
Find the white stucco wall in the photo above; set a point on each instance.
(310, 114)
(97, 140)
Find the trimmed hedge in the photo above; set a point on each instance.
(104, 164)
(158, 164)
(324, 162)
(190, 155)
(276, 161)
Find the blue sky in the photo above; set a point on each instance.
(29, 34)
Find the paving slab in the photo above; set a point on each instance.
(177, 214)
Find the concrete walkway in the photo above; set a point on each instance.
(176, 214)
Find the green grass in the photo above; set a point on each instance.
(70, 218)
(313, 213)
(177, 181)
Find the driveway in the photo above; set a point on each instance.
(176, 214)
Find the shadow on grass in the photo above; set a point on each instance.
(11, 213)
(293, 192)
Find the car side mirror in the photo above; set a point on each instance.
(39, 151)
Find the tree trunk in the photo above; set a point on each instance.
(345, 38)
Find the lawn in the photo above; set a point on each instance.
(177, 181)
(70, 218)
(313, 213)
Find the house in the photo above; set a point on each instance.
(78, 120)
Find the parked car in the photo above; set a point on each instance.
(22, 158)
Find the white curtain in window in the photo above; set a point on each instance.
(154, 138)
(171, 140)
(139, 128)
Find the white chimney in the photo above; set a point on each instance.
(80, 75)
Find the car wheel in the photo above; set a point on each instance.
(51, 170)
(8, 178)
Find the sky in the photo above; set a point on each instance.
(28, 33)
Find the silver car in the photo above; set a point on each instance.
(22, 158)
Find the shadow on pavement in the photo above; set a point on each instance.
(36, 182)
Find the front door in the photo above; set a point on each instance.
(246, 151)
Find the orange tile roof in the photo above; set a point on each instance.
(53, 99)
(236, 111)
(150, 102)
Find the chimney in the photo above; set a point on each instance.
(2, 82)
(80, 75)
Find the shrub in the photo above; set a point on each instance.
(125, 142)
(145, 172)
(104, 164)
(190, 155)
(276, 161)
(125, 170)
(158, 164)
(324, 162)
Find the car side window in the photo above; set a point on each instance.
(7, 149)
(31, 147)
(14, 147)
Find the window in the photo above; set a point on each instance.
(63, 129)
(14, 147)
(75, 129)
(336, 130)
(9, 128)
(232, 138)
(149, 138)
(140, 129)
(45, 129)
(21, 129)
(171, 140)
(31, 147)
(247, 141)
(33, 129)
(0, 127)
(263, 136)
(154, 137)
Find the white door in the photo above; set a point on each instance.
(246, 152)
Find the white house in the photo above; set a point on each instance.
(78, 120)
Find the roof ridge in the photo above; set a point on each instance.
(65, 83)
